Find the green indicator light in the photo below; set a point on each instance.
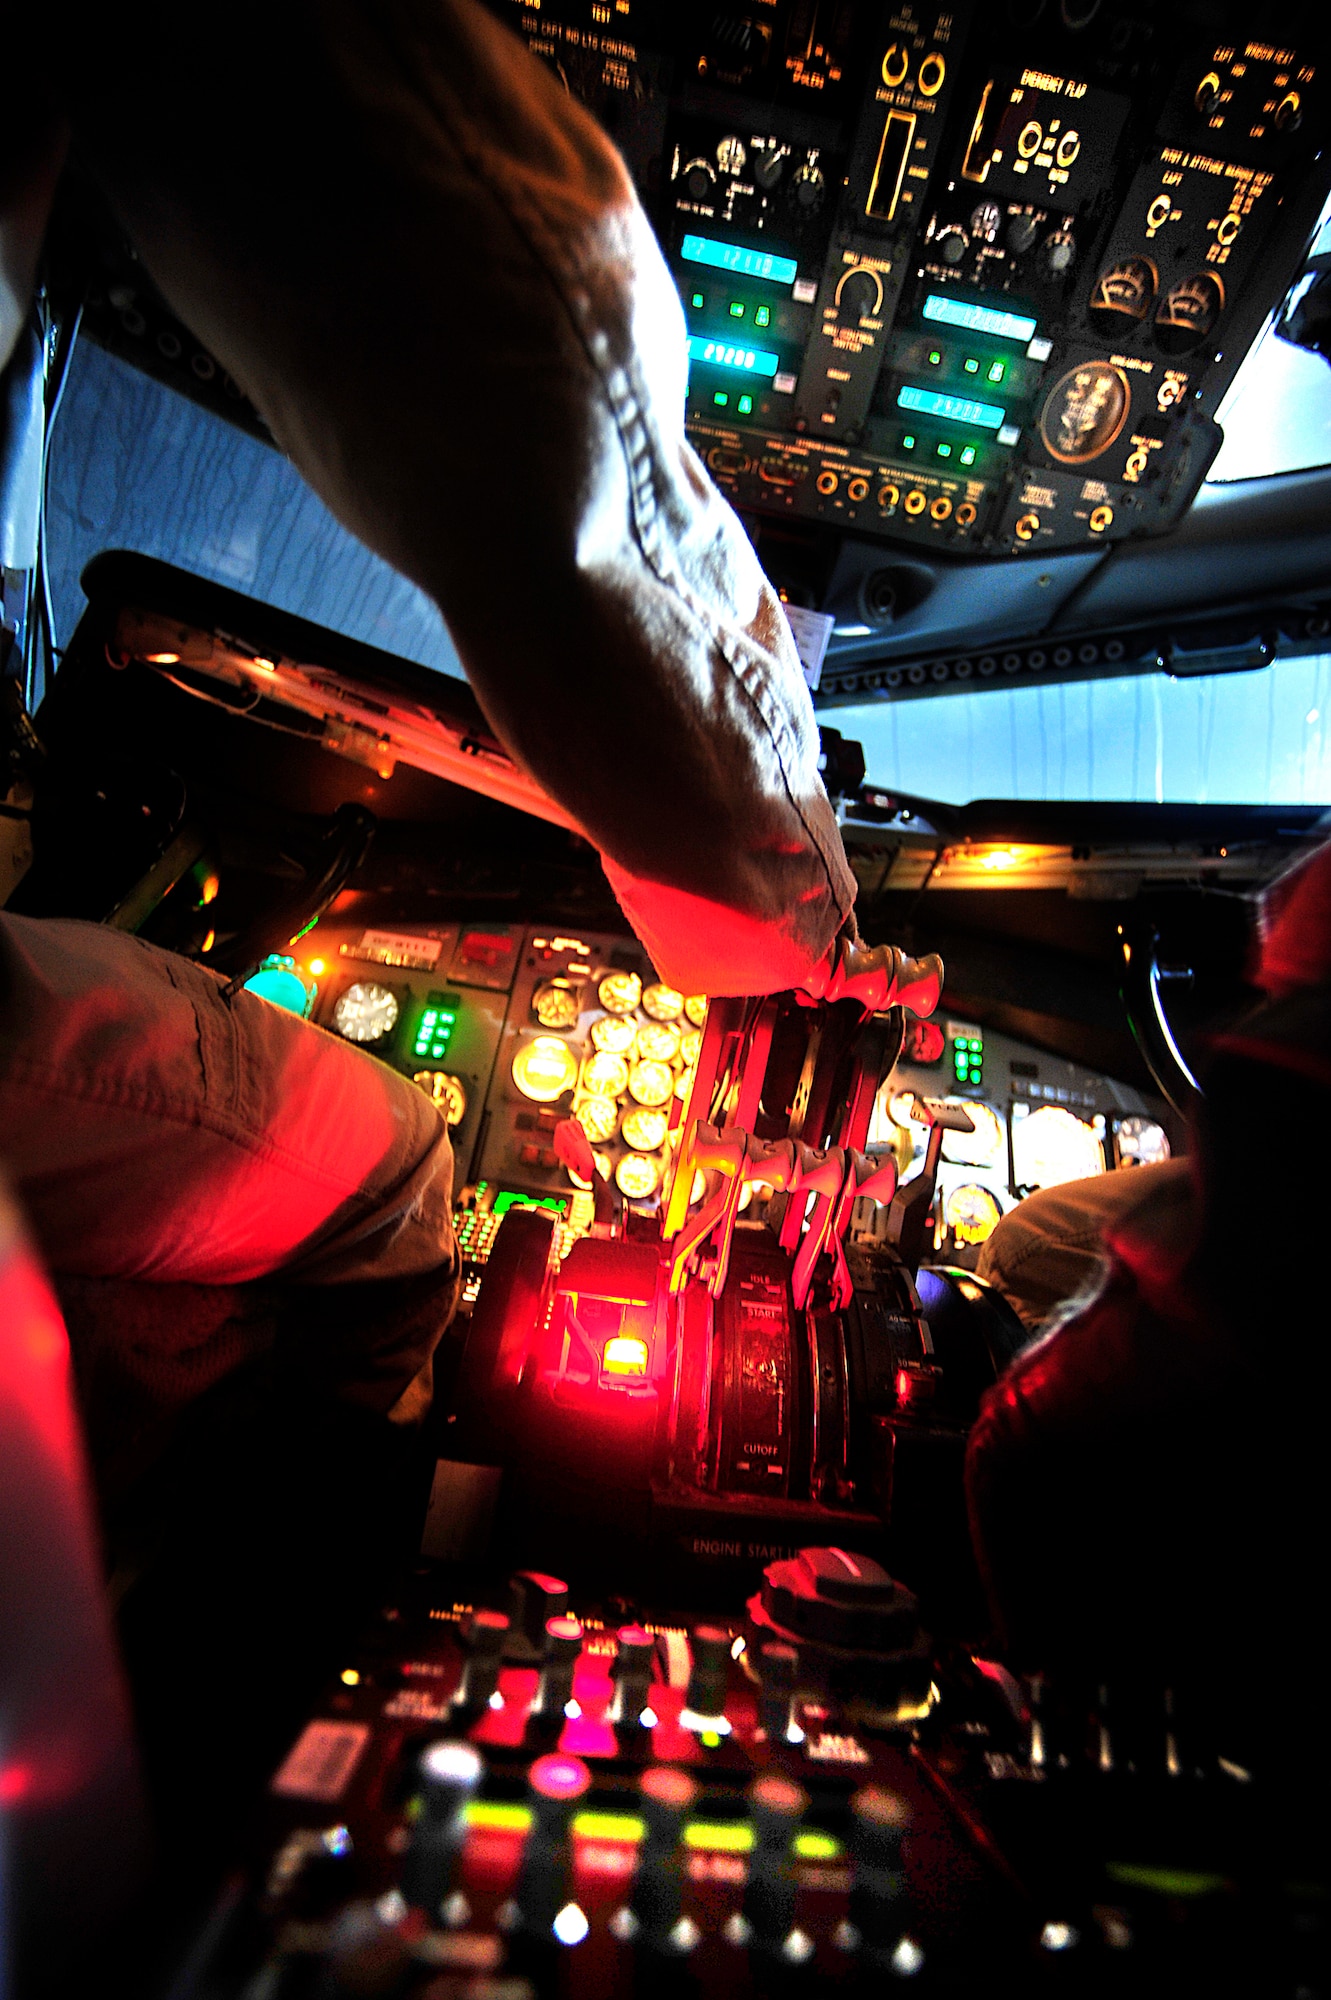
(699, 301)
(908, 442)
(968, 455)
(944, 451)
(971, 365)
(997, 370)
(720, 398)
(762, 315)
(935, 358)
(744, 406)
(737, 308)
(975, 1076)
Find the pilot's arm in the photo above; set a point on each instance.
(428, 268)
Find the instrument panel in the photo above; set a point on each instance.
(963, 276)
(510, 1030)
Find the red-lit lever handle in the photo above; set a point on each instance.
(881, 976)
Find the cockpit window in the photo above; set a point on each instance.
(1234, 739)
(1277, 414)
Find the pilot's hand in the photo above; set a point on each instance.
(878, 976)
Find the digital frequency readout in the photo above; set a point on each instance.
(978, 319)
(956, 409)
(744, 263)
(727, 354)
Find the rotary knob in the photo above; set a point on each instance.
(809, 186)
(953, 244)
(1059, 250)
(986, 221)
(1207, 94)
(859, 295)
(1021, 233)
(840, 1598)
(699, 179)
(768, 167)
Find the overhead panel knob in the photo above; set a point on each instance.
(710, 1675)
(447, 1777)
(1021, 233)
(533, 1599)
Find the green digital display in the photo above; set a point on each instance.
(434, 1030)
(721, 256)
(1001, 324)
(953, 409)
(734, 354)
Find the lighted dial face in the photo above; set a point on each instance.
(901, 1109)
(986, 1146)
(987, 221)
(1052, 1146)
(638, 1176)
(555, 1005)
(689, 1044)
(730, 155)
(448, 1092)
(598, 1117)
(613, 1035)
(544, 1068)
(658, 1042)
(605, 1076)
(972, 1214)
(644, 1130)
(366, 1012)
(1126, 289)
(619, 992)
(696, 1009)
(1188, 311)
(1141, 1142)
(662, 1002)
(684, 1084)
(1085, 411)
(652, 1083)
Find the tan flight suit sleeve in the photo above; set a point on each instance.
(428, 268)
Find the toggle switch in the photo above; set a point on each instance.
(634, 1655)
(709, 1677)
(777, 1667)
(665, 1794)
(879, 1902)
(533, 1599)
(554, 1786)
(776, 1807)
(447, 1776)
(485, 1639)
(563, 1639)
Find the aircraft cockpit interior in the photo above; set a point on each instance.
(833, 1507)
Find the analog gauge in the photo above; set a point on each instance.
(555, 1004)
(1141, 1142)
(662, 1002)
(658, 1042)
(1188, 311)
(544, 1068)
(684, 1084)
(605, 1076)
(808, 185)
(1060, 247)
(696, 1009)
(366, 1012)
(652, 1082)
(1085, 411)
(986, 222)
(644, 1130)
(619, 992)
(986, 1146)
(598, 1117)
(613, 1035)
(731, 155)
(690, 1042)
(1125, 291)
(448, 1092)
(972, 1214)
(1052, 1146)
(638, 1176)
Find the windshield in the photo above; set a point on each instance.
(1232, 739)
(1276, 415)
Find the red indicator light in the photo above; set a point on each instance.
(669, 1787)
(924, 1042)
(557, 1777)
(625, 1355)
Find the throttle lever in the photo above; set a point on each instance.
(882, 976)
